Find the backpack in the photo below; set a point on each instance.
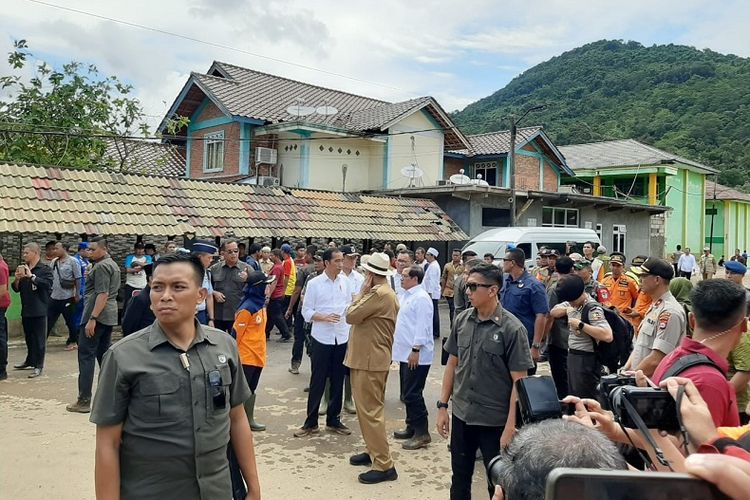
(613, 354)
(689, 361)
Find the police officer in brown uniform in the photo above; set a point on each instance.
(169, 398)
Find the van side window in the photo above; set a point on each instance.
(526, 247)
(560, 247)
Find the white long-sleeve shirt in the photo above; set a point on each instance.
(414, 326)
(686, 263)
(431, 281)
(326, 296)
(357, 281)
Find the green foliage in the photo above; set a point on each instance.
(695, 103)
(55, 116)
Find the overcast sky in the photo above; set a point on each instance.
(456, 51)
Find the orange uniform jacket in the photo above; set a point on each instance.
(623, 292)
(251, 337)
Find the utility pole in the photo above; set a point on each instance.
(512, 158)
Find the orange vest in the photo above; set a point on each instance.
(251, 337)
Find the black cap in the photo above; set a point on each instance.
(617, 258)
(657, 267)
(349, 250)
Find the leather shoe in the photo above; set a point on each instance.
(361, 459)
(407, 433)
(3, 376)
(35, 373)
(378, 476)
(339, 429)
(22, 366)
(306, 431)
(417, 442)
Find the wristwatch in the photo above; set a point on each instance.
(580, 326)
(93, 318)
(440, 404)
(414, 349)
(536, 345)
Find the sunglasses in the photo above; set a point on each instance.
(473, 286)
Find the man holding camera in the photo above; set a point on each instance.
(664, 324)
(489, 351)
(718, 320)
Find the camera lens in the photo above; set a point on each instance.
(494, 470)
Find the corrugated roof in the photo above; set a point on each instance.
(36, 199)
(252, 94)
(145, 158)
(622, 153)
(725, 193)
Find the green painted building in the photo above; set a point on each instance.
(632, 171)
(730, 211)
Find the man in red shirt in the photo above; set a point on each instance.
(719, 319)
(275, 310)
(4, 305)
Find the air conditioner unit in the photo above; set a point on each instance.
(442, 182)
(567, 189)
(268, 181)
(265, 155)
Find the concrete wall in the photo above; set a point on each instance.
(427, 152)
(685, 224)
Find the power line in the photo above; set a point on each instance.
(212, 44)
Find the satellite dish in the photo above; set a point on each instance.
(459, 178)
(482, 182)
(299, 109)
(412, 172)
(326, 110)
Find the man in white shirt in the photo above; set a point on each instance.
(404, 259)
(413, 347)
(326, 298)
(431, 285)
(686, 264)
(350, 262)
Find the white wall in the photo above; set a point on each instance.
(427, 153)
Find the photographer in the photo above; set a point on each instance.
(522, 470)
(718, 320)
(587, 325)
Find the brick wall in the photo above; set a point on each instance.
(527, 173)
(452, 166)
(550, 178)
(231, 151)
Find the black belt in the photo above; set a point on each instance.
(581, 353)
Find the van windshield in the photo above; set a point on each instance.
(496, 248)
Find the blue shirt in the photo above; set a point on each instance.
(84, 264)
(253, 263)
(524, 298)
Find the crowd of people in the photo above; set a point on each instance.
(196, 323)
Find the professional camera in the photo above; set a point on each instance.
(609, 382)
(656, 407)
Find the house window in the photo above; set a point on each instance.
(495, 217)
(213, 152)
(488, 170)
(559, 217)
(618, 237)
(599, 231)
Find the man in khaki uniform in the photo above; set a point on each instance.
(368, 357)
(451, 271)
(665, 323)
(707, 264)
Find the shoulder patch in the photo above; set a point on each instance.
(664, 319)
(596, 314)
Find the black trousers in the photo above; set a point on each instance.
(224, 325)
(35, 334)
(416, 410)
(584, 372)
(3, 342)
(451, 309)
(252, 375)
(435, 319)
(299, 336)
(68, 310)
(558, 364)
(465, 439)
(127, 295)
(327, 364)
(685, 274)
(275, 311)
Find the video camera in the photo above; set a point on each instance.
(609, 382)
(537, 400)
(655, 407)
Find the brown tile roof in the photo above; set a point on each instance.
(248, 93)
(725, 193)
(37, 199)
(144, 158)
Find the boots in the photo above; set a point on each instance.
(323, 409)
(406, 433)
(250, 410)
(348, 401)
(420, 439)
(294, 370)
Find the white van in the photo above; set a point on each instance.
(530, 240)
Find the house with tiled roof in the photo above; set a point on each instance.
(727, 219)
(263, 129)
(144, 157)
(639, 173)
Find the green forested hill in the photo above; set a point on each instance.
(687, 101)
